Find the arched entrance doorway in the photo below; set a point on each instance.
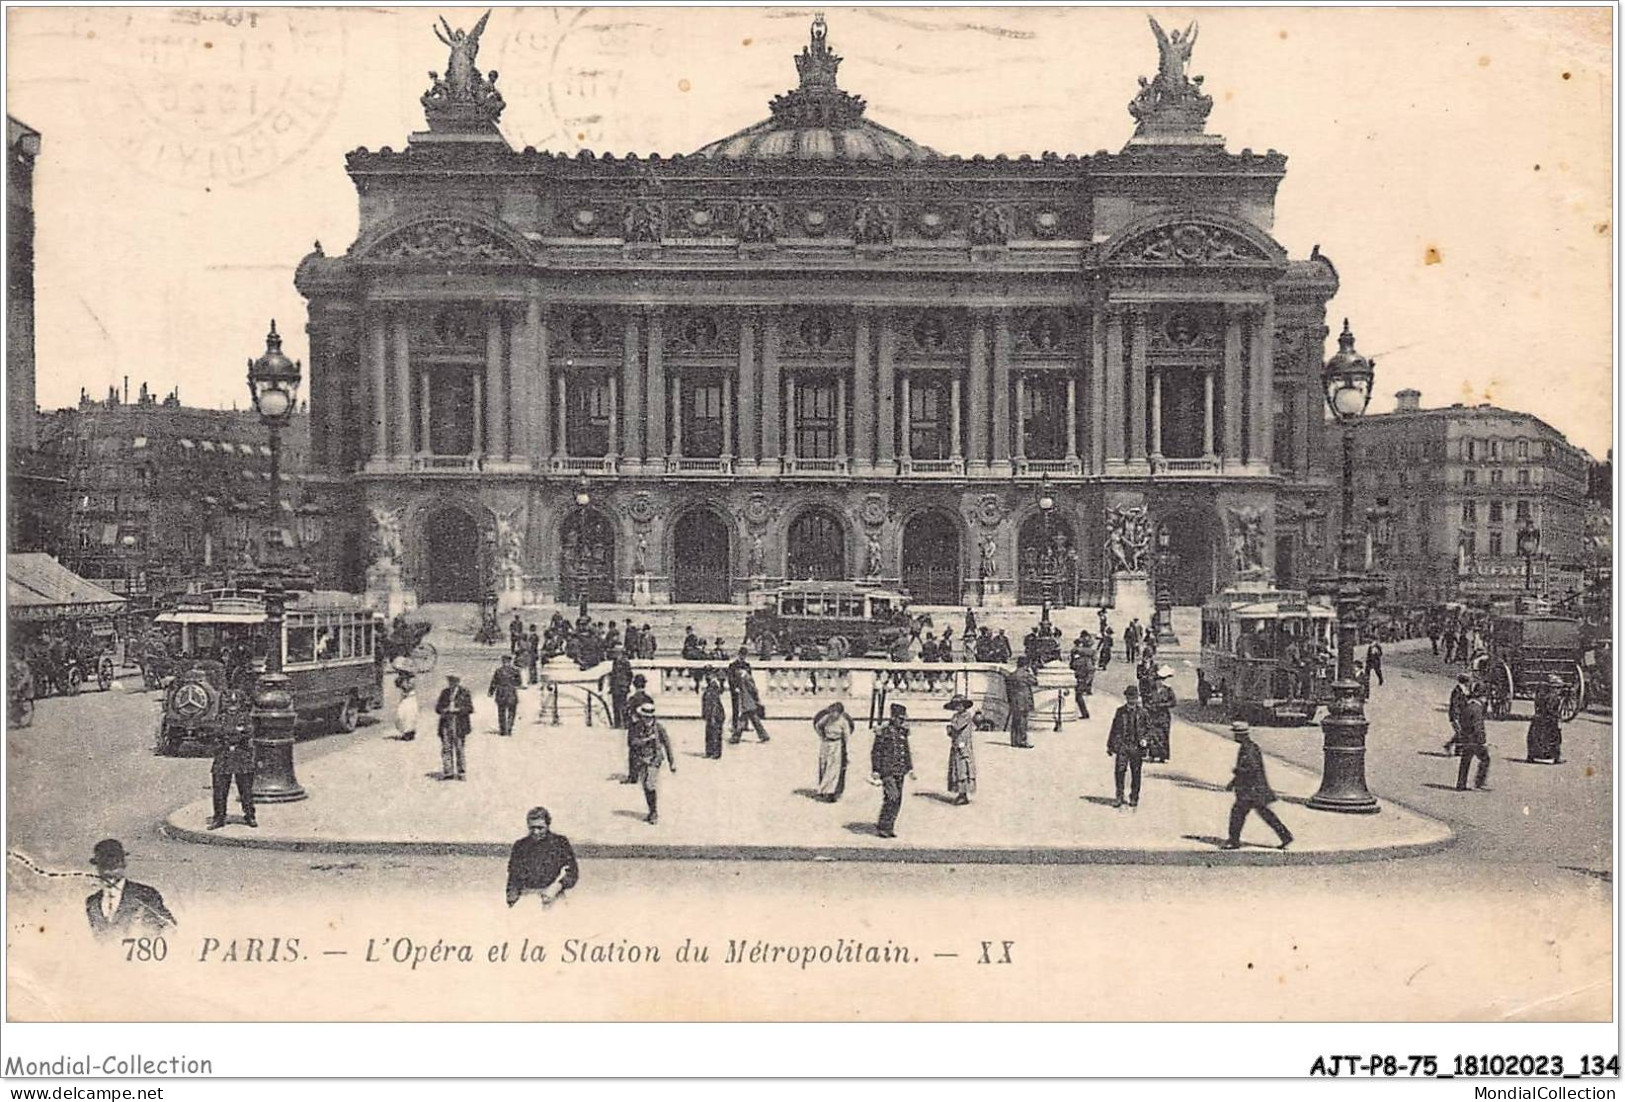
(931, 559)
(699, 566)
(816, 547)
(451, 556)
(587, 558)
(1191, 575)
(1046, 561)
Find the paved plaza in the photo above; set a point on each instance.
(1052, 803)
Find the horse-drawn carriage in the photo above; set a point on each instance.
(1524, 650)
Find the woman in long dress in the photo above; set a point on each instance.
(834, 728)
(961, 752)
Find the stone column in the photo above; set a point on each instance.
(953, 403)
(521, 374)
(614, 416)
(1097, 392)
(402, 414)
(1156, 414)
(772, 446)
(1001, 387)
(749, 424)
(978, 392)
(476, 444)
(1261, 376)
(886, 395)
(540, 386)
(789, 450)
(676, 414)
(376, 352)
(1072, 418)
(425, 417)
(654, 394)
(1234, 393)
(840, 417)
(561, 437)
(1116, 449)
(863, 393)
(905, 433)
(1021, 415)
(632, 438)
(496, 405)
(1303, 407)
(1138, 370)
(727, 416)
(1207, 413)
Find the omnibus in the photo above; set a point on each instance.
(838, 619)
(1525, 651)
(218, 640)
(1268, 653)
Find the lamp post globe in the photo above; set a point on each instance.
(1347, 380)
(1163, 628)
(273, 383)
(1047, 566)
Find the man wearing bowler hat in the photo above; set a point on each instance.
(122, 907)
(1252, 789)
(1127, 743)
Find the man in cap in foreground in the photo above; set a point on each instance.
(890, 761)
(1252, 789)
(122, 907)
(541, 861)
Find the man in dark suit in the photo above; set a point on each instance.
(122, 907)
(640, 696)
(1252, 789)
(233, 758)
(1128, 742)
(747, 702)
(1458, 701)
(620, 686)
(890, 761)
(1472, 741)
(455, 708)
(1018, 690)
(505, 684)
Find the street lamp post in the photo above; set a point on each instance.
(583, 501)
(273, 382)
(1046, 561)
(1528, 547)
(1165, 635)
(1347, 379)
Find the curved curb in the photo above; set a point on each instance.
(1029, 855)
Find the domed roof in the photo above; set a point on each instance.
(817, 120)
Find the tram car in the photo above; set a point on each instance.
(1523, 650)
(832, 619)
(329, 648)
(1268, 654)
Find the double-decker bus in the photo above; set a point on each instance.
(218, 640)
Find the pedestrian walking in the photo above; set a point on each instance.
(1252, 789)
(1083, 672)
(455, 707)
(889, 762)
(533, 654)
(961, 750)
(634, 704)
(713, 713)
(406, 709)
(1458, 701)
(747, 702)
(1131, 640)
(620, 687)
(1018, 691)
(234, 758)
(834, 727)
(541, 862)
(651, 748)
(1127, 743)
(1545, 739)
(504, 687)
(1159, 704)
(1472, 741)
(1373, 663)
(1105, 646)
(516, 636)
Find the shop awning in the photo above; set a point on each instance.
(40, 588)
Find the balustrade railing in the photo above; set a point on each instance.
(574, 464)
(800, 465)
(1161, 464)
(684, 464)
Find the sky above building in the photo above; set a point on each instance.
(1455, 164)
